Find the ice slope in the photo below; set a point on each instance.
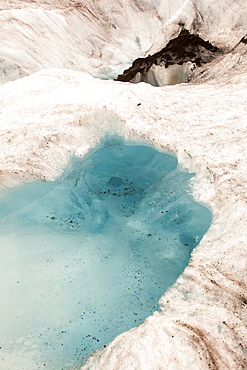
(222, 24)
(99, 37)
(52, 114)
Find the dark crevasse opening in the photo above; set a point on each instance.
(174, 63)
(88, 256)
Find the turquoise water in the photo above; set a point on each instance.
(88, 256)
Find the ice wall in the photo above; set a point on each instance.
(160, 76)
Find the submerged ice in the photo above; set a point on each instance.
(88, 256)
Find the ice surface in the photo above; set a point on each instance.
(88, 256)
(50, 115)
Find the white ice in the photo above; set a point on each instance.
(50, 115)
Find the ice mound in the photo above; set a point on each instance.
(88, 256)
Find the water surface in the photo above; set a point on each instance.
(88, 256)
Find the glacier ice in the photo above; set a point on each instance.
(55, 113)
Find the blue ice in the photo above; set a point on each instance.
(88, 256)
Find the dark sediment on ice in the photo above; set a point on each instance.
(184, 48)
(244, 40)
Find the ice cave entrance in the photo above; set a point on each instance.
(161, 76)
(88, 256)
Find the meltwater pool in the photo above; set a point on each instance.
(88, 256)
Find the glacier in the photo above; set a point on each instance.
(53, 107)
